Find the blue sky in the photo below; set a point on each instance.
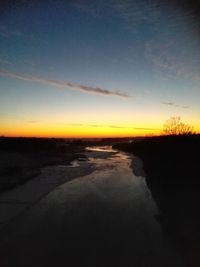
(122, 63)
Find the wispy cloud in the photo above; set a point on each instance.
(146, 129)
(169, 31)
(153, 12)
(112, 126)
(65, 84)
(185, 106)
(5, 31)
(33, 121)
(93, 8)
(172, 104)
(4, 61)
(132, 12)
(173, 58)
(171, 45)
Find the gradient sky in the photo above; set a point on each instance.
(97, 68)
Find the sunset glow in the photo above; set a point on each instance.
(78, 131)
(112, 69)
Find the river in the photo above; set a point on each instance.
(106, 218)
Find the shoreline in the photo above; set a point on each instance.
(17, 200)
(137, 166)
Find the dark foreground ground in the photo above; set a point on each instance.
(21, 159)
(84, 208)
(172, 166)
(104, 218)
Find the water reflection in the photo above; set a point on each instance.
(100, 220)
(110, 216)
(100, 149)
(72, 164)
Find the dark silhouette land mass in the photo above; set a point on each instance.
(172, 171)
(104, 215)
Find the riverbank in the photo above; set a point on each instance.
(21, 159)
(172, 168)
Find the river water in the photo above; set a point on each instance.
(106, 218)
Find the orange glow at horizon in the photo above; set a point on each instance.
(88, 130)
(76, 131)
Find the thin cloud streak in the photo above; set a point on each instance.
(112, 126)
(3, 61)
(172, 104)
(8, 33)
(64, 84)
(185, 106)
(33, 121)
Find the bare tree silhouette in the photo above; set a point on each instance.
(174, 126)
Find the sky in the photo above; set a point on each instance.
(103, 68)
